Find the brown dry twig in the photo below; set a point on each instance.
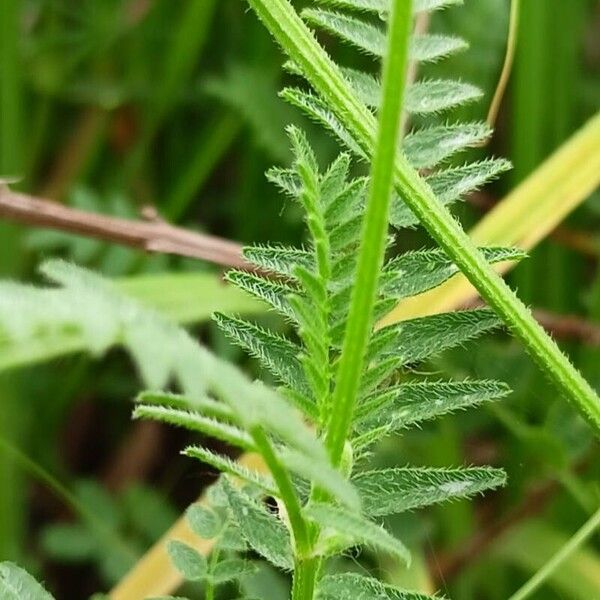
(151, 235)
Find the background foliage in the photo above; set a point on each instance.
(117, 104)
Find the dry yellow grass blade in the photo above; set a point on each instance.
(523, 219)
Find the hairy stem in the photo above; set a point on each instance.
(374, 231)
(305, 579)
(300, 44)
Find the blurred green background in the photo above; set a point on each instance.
(112, 105)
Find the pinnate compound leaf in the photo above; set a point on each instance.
(189, 562)
(372, 39)
(334, 179)
(276, 353)
(18, 584)
(263, 531)
(415, 272)
(450, 185)
(429, 146)
(422, 97)
(431, 96)
(353, 529)
(391, 491)
(417, 339)
(203, 405)
(408, 404)
(275, 293)
(281, 260)
(90, 313)
(352, 586)
(317, 110)
(195, 422)
(433, 47)
(382, 7)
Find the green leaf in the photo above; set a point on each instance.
(287, 180)
(345, 235)
(189, 562)
(352, 586)
(323, 475)
(90, 313)
(438, 95)
(334, 179)
(275, 293)
(263, 531)
(205, 405)
(281, 260)
(415, 272)
(232, 540)
(407, 404)
(17, 584)
(422, 97)
(301, 46)
(276, 353)
(232, 467)
(204, 522)
(231, 569)
(429, 146)
(169, 294)
(391, 491)
(417, 339)
(431, 48)
(352, 529)
(450, 184)
(318, 111)
(258, 407)
(372, 39)
(348, 203)
(195, 422)
(381, 7)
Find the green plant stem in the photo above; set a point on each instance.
(563, 554)
(286, 489)
(300, 44)
(305, 578)
(209, 592)
(374, 231)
